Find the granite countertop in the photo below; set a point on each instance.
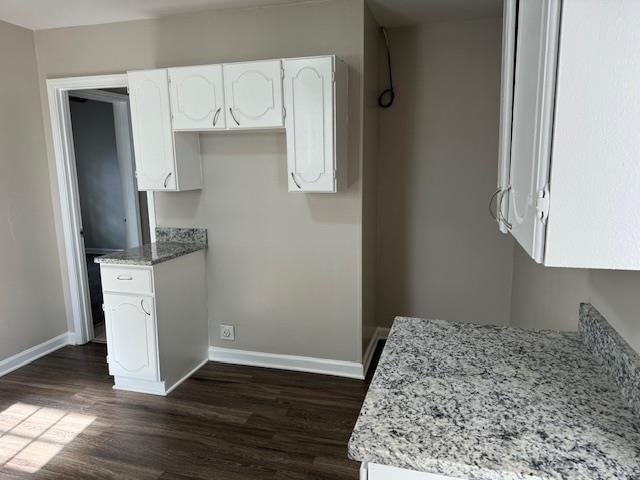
(487, 402)
(151, 253)
(172, 243)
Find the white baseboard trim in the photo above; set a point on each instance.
(380, 333)
(153, 388)
(139, 386)
(187, 375)
(29, 355)
(338, 368)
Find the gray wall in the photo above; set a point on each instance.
(31, 303)
(99, 185)
(549, 297)
(370, 127)
(440, 254)
(284, 268)
(545, 297)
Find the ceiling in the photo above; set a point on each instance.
(41, 14)
(396, 13)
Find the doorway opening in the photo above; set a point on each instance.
(114, 214)
(101, 208)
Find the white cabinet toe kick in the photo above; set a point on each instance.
(376, 471)
(156, 322)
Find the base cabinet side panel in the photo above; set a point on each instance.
(375, 471)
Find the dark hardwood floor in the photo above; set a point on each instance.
(60, 418)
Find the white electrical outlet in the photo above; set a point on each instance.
(227, 332)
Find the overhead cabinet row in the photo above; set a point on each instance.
(306, 96)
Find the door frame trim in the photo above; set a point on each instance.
(74, 272)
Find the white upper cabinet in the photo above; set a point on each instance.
(197, 98)
(569, 173)
(170, 106)
(164, 161)
(532, 122)
(309, 95)
(151, 129)
(253, 94)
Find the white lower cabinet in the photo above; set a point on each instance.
(156, 322)
(131, 336)
(375, 471)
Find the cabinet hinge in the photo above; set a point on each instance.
(282, 72)
(284, 112)
(542, 204)
(333, 76)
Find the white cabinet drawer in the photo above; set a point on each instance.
(126, 279)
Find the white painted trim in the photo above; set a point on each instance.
(338, 368)
(139, 386)
(150, 387)
(380, 333)
(191, 372)
(29, 355)
(74, 277)
(101, 96)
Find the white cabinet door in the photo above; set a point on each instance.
(151, 129)
(197, 97)
(253, 94)
(594, 218)
(523, 201)
(310, 123)
(131, 336)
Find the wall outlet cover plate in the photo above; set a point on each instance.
(227, 332)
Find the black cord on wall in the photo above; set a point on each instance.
(386, 98)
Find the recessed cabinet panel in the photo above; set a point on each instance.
(131, 337)
(522, 202)
(197, 98)
(151, 129)
(309, 102)
(253, 94)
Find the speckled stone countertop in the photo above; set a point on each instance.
(151, 253)
(486, 402)
(172, 243)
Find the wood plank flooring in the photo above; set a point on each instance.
(60, 418)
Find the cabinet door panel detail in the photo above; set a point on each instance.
(131, 336)
(197, 97)
(253, 94)
(533, 103)
(309, 101)
(151, 128)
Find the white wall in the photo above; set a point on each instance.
(99, 185)
(31, 304)
(440, 253)
(284, 268)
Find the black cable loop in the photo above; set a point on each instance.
(386, 98)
